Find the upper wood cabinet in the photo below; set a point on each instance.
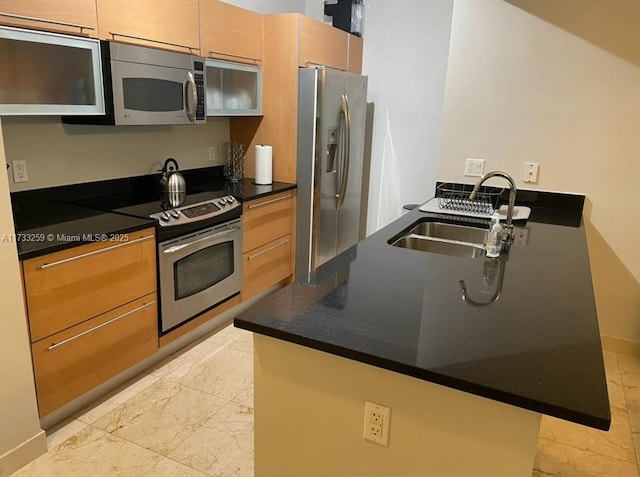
(322, 44)
(230, 33)
(356, 45)
(168, 24)
(77, 17)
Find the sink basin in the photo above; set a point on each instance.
(459, 233)
(442, 238)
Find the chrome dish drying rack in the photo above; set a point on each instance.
(455, 197)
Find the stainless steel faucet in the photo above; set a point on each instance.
(512, 200)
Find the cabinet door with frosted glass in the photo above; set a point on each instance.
(48, 73)
(233, 89)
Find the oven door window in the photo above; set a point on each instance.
(202, 269)
(152, 94)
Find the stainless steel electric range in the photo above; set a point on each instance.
(199, 249)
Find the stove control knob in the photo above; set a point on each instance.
(230, 199)
(175, 214)
(222, 201)
(164, 217)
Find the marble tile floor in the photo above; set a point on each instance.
(192, 415)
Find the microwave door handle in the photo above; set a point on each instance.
(191, 99)
(177, 248)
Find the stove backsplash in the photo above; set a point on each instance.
(59, 154)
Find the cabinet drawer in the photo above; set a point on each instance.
(266, 219)
(68, 287)
(70, 363)
(266, 266)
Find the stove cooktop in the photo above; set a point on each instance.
(195, 210)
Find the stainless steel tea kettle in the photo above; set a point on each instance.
(173, 187)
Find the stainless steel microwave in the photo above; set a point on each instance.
(145, 86)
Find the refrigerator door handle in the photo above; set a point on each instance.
(345, 147)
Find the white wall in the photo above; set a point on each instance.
(58, 154)
(314, 9)
(18, 413)
(523, 89)
(405, 56)
(270, 6)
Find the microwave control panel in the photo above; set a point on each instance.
(198, 76)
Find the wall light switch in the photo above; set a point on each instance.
(474, 167)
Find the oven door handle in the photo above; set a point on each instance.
(177, 248)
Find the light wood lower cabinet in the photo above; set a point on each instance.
(266, 219)
(267, 242)
(92, 314)
(71, 286)
(70, 363)
(266, 266)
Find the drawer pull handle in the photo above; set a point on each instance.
(95, 252)
(255, 206)
(251, 257)
(45, 20)
(212, 52)
(96, 328)
(123, 35)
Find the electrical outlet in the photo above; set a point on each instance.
(530, 172)
(19, 171)
(474, 167)
(377, 420)
(213, 154)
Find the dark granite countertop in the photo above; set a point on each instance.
(44, 227)
(57, 218)
(244, 190)
(537, 346)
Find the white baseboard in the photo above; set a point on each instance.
(23, 454)
(620, 345)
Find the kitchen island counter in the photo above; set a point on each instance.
(536, 347)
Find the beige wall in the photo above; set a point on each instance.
(18, 413)
(309, 420)
(58, 154)
(522, 89)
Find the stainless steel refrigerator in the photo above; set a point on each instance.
(331, 132)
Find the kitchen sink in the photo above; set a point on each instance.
(443, 238)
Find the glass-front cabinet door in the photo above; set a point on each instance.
(46, 73)
(233, 89)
